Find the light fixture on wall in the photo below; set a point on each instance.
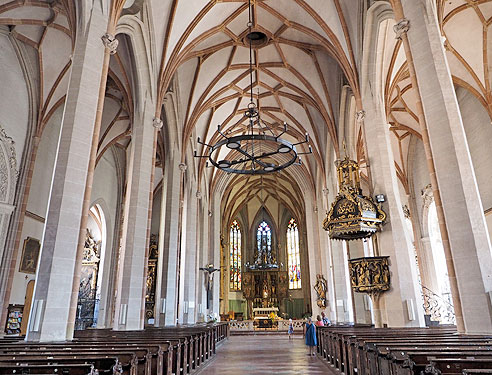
(260, 150)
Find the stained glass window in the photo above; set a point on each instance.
(293, 256)
(264, 238)
(235, 256)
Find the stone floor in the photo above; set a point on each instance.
(264, 354)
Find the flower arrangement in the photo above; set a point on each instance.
(272, 316)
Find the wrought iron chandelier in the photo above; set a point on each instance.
(260, 150)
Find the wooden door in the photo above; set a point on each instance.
(27, 307)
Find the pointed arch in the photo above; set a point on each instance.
(293, 255)
(235, 256)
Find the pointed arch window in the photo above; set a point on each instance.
(293, 256)
(264, 238)
(235, 256)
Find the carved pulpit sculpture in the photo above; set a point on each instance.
(370, 275)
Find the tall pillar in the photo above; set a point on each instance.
(402, 305)
(430, 268)
(326, 258)
(202, 241)
(344, 309)
(214, 254)
(469, 257)
(49, 318)
(422, 248)
(314, 257)
(190, 268)
(168, 244)
(130, 308)
(360, 302)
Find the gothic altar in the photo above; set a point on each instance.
(264, 285)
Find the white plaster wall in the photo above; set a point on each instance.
(14, 109)
(19, 284)
(478, 129)
(105, 187)
(38, 198)
(43, 168)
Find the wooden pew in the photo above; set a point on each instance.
(70, 369)
(404, 351)
(166, 351)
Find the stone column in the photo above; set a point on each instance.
(327, 271)
(168, 244)
(361, 307)
(214, 253)
(132, 283)
(430, 267)
(201, 259)
(314, 258)
(49, 318)
(190, 268)
(394, 239)
(469, 256)
(344, 310)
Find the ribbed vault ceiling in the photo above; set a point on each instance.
(297, 74)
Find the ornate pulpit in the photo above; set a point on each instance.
(370, 275)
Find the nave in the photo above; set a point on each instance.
(264, 354)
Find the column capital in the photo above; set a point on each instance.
(110, 42)
(401, 27)
(157, 123)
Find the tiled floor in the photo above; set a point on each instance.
(255, 355)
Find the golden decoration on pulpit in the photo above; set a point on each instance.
(352, 216)
(370, 275)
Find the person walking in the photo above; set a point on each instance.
(310, 335)
(291, 328)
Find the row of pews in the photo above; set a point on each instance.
(363, 350)
(154, 351)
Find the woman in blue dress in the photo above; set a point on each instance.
(310, 335)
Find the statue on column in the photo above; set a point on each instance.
(321, 287)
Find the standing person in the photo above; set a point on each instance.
(310, 334)
(291, 328)
(319, 322)
(325, 319)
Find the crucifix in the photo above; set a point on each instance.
(209, 278)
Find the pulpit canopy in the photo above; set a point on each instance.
(352, 216)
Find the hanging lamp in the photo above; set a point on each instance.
(261, 149)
